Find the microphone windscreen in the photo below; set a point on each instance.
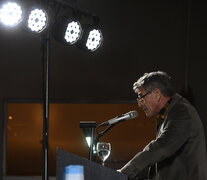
(133, 114)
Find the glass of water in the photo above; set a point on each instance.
(103, 150)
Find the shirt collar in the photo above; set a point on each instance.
(163, 112)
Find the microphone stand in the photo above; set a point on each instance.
(111, 123)
(103, 132)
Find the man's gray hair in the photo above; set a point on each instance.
(152, 80)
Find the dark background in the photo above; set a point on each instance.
(139, 36)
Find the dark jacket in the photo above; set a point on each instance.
(179, 150)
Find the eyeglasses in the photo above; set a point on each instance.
(141, 97)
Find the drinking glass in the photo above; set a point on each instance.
(103, 150)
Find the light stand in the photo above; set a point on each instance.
(45, 47)
(45, 43)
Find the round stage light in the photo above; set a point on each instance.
(37, 21)
(10, 14)
(95, 39)
(73, 32)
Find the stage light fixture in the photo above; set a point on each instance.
(38, 20)
(94, 40)
(11, 14)
(73, 32)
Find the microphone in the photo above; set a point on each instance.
(123, 117)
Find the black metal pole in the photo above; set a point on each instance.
(46, 59)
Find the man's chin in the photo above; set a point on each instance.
(148, 115)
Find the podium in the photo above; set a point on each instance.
(92, 170)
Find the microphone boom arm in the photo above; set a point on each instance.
(103, 132)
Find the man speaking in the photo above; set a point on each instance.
(179, 150)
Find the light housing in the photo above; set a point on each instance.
(92, 38)
(67, 32)
(73, 32)
(11, 14)
(37, 20)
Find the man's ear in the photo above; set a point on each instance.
(157, 94)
